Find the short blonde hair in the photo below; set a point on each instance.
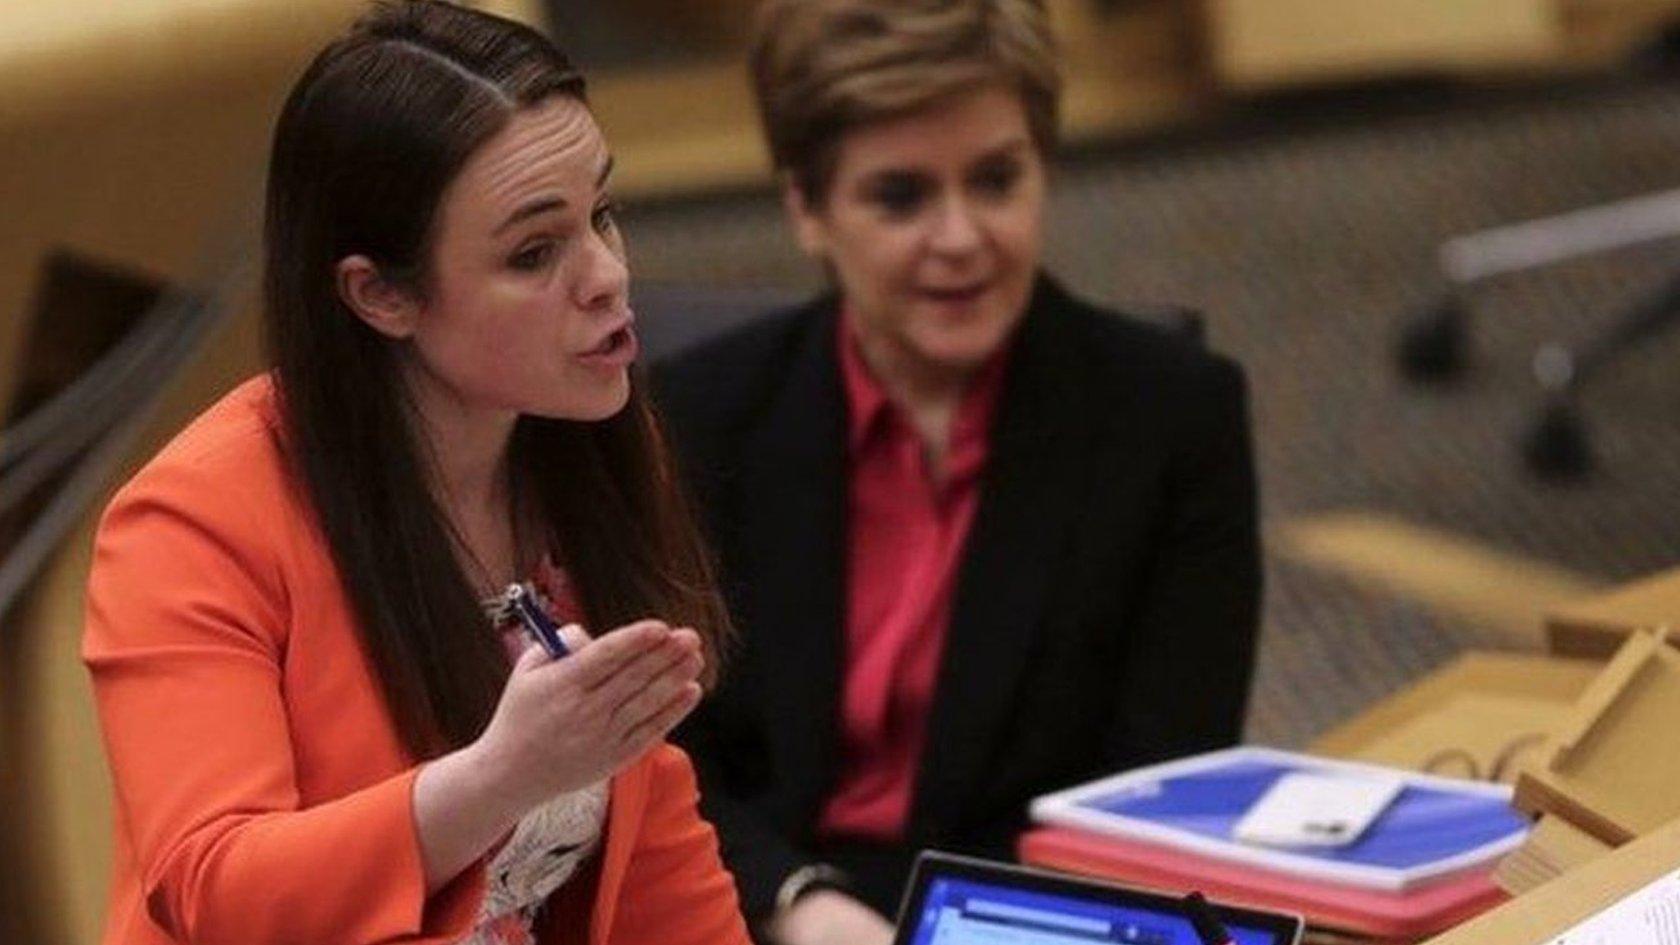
(823, 67)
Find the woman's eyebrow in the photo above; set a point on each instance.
(540, 205)
(546, 204)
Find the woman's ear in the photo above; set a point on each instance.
(809, 226)
(388, 308)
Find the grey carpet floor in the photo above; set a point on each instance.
(1308, 242)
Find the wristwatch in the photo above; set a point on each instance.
(809, 878)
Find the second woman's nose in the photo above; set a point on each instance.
(956, 228)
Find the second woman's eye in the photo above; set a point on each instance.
(899, 195)
(996, 178)
(532, 257)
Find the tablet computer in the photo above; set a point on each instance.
(954, 900)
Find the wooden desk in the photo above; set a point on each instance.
(1553, 908)
(1596, 626)
(1606, 768)
(1481, 703)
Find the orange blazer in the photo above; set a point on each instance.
(262, 796)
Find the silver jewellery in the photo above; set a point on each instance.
(809, 878)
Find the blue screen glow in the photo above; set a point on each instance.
(962, 912)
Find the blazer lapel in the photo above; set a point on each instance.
(793, 494)
(1030, 496)
(627, 801)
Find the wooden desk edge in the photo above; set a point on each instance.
(1487, 672)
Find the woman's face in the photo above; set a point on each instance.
(527, 308)
(933, 226)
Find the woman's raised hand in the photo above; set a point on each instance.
(564, 724)
(560, 725)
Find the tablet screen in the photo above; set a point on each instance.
(964, 902)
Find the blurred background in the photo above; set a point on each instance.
(1465, 418)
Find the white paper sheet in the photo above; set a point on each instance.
(1315, 810)
(1650, 916)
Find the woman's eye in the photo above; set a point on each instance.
(899, 195)
(997, 180)
(605, 217)
(532, 257)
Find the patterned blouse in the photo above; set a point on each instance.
(557, 837)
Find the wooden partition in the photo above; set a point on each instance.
(134, 135)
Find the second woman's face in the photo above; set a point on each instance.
(933, 226)
(528, 306)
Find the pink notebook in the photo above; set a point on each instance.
(1408, 915)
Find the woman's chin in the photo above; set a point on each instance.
(959, 351)
(611, 407)
(592, 406)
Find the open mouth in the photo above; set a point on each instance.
(613, 342)
(620, 347)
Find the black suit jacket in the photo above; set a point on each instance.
(1106, 603)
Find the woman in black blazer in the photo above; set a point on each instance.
(1088, 599)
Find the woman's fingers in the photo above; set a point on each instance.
(573, 719)
(688, 637)
(679, 660)
(651, 729)
(639, 672)
(647, 698)
(602, 659)
(575, 637)
(533, 656)
(636, 683)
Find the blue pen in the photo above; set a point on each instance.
(537, 623)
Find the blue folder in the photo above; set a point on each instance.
(1434, 827)
(1423, 825)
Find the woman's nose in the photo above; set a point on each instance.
(956, 230)
(605, 281)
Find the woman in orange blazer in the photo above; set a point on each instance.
(323, 722)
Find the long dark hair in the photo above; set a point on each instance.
(368, 140)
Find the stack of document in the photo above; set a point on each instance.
(1650, 916)
(1416, 865)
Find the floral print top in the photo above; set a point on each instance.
(556, 838)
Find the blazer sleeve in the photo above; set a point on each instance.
(185, 639)
(1191, 649)
(675, 888)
